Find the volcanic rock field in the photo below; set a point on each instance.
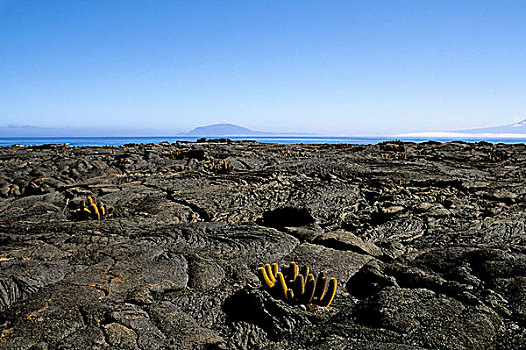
(427, 242)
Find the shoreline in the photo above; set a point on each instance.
(363, 140)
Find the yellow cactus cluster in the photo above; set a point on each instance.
(295, 286)
(95, 211)
(496, 156)
(220, 167)
(177, 154)
(291, 154)
(392, 146)
(395, 156)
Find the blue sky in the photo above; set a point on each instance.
(330, 67)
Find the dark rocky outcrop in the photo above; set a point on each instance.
(427, 241)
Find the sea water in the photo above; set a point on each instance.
(117, 141)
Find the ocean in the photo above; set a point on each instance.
(117, 141)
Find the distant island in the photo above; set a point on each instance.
(516, 130)
(226, 130)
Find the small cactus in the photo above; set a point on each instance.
(395, 156)
(94, 210)
(177, 154)
(223, 167)
(295, 287)
(292, 154)
(497, 156)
